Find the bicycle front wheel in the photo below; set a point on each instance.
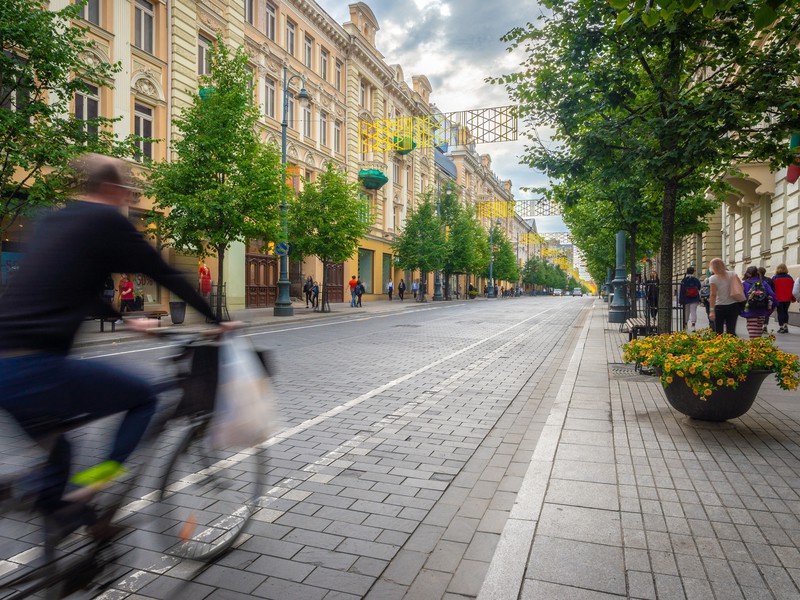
(206, 497)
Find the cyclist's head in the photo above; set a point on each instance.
(104, 178)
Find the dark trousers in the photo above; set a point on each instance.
(783, 313)
(725, 316)
(46, 391)
(401, 293)
(390, 293)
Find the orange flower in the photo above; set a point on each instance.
(707, 392)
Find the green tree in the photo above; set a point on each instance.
(449, 210)
(421, 244)
(40, 55)
(223, 185)
(327, 220)
(504, 260)
(684, 98)
(468, 247)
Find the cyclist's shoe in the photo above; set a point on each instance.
(93, 480)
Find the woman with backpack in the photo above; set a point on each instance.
(689, 297)
(782, 284)
(760, 301)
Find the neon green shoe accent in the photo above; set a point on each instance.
(98, 474)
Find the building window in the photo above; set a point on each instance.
(248, 11)
(766, 224)
(290, 31)
(337, 136)
(143, 127)
(269, 98)
(308, 52)
(16, 88)
(87, 107)
(90, 11)
(307, 121)
(323, 63)
(290, 112)
(338, 75)
(323, 128)
(362, 94)
(251, 82)
(144, 17)
(269, 29)
(396, 171)
(203, 49)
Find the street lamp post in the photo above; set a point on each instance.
(437, 281)
(283, 304)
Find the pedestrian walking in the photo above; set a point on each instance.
(352, 283)
(689, 298)
(760, 302)
(390, 288)
(705, 293)
(724, 300)
(308, 290)
(315, 295)
(652, 294)
(415, 288)
(495, 290)
(126, 299)
(359, 292)
(782, 284)
(401, 289)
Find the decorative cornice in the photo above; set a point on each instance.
(145, 83)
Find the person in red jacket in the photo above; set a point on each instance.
(782, 284)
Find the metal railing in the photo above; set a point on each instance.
(645, 304)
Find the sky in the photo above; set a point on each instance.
(456, 44)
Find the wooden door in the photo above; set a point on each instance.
(336, 282)
(261, 285)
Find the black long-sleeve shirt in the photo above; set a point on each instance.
(60, 279)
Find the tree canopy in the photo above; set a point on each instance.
(223, 184)
(681, 100)
(421, 243)
(40, 55)
(326, 220)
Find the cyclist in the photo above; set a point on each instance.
(60, 282)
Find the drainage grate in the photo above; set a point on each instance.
(627, 372)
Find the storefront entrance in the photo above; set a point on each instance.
(261, 283)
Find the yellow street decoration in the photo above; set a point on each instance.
(496, 208)
(479, 126)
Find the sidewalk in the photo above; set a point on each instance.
(90, 335)
(625, 497)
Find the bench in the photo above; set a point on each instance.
(144, 314)
(639, 327)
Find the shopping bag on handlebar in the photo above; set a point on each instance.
(244, 409)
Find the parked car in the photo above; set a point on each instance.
(577, 292)
(557, 292)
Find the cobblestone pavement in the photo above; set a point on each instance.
(488, 449)
(627, 498)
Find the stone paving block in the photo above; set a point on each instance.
(317, 539)
(468, 578)
(404, 567)
(392, 523)
(392, 538)
(386, 590)
(446, 556)
(425, 538)
(371, 567)
(367, 548)
(352, 530)
(429, 584)
(540, 590)
(351, 583)
(278, 567)
(583, 493)
(168, 587)
(230, 579)
(584, 471)
(280, 589)
(325, 558)
(641, 585)
(578, 564)
(482, 547)
(578, 523)
(461, 529)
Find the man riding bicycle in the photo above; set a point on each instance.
(59, 283)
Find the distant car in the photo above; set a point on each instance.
(577, 292)
(557, 292)
(568, 293)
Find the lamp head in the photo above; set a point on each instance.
(303, 97)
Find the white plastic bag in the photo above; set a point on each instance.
(244, 410)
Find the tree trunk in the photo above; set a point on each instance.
(220, 273)
(632, 283)
(423, 285)
(324, 305)
(667, 239)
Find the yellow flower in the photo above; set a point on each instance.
(731, 381)
(719, 381)
(707, 392)
(679, 373)
(706, 374)
(669, 379)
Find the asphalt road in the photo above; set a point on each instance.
(402, 442)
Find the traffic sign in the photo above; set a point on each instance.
(282, 248)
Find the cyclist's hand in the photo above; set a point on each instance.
(141, 325)
(231, 325)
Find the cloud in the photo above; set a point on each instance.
(457, 45)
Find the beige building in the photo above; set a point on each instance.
(163, 47)
(757, 224)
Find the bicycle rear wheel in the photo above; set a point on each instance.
(206, 497)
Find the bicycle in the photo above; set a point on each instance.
(199, 501)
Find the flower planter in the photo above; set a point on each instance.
(723, 404)
(372, 179)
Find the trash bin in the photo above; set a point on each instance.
(177, 312)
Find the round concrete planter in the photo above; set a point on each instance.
(723, 404)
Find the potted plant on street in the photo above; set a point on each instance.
(713, 377)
